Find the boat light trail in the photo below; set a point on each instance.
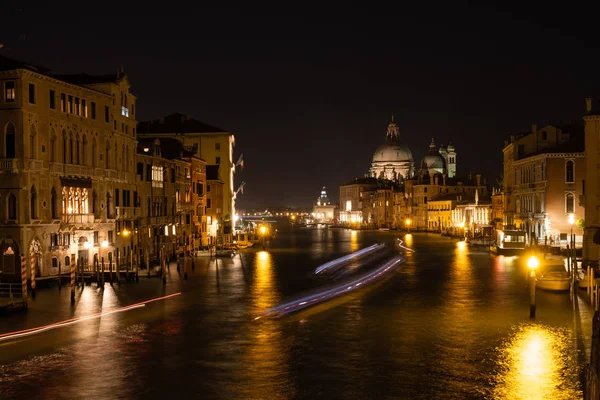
(351, 256)
(401, 245)
(72, 321)
(329, 294)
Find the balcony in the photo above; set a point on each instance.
(78, 218)
(78, 170)
(35, 165)
(8, 165)
(126, 212)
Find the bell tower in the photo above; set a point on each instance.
(450, 160)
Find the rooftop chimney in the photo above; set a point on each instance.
(588, 104)
(478, 178)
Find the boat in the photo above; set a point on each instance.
(509, 242)
(554, 278)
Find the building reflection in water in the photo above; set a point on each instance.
(354, 241)
(536, 363)
(408, 240)
(266, 361)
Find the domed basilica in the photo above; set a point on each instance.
(393, 160)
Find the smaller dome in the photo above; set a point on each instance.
(433, 162)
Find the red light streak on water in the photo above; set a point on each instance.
(67, 322)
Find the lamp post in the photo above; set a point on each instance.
(263, 230)
(532, 264)
(572, 264)
(407, 223)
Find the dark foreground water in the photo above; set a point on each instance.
(449, 323)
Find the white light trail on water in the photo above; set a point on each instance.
(352, 256)
(329, 294)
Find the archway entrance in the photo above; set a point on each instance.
(35, 257)
(10, 264)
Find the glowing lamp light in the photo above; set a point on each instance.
(533, 263)
(105, 243)
(408, 222)
(86, 245)
(571, 219)
(263, 229)
(70, 210)
(126, 233)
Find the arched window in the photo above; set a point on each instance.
(109, 206)
(77, 150)
(93, 152)
(570, 171)
(570, 203)
(65, 148)
(94, 202)
(54, 203)
(123, 163)
(84, 144)
(106, 154)
(32, 143)
(12, 207)
(10, 140)
(52, 146)
(71, 146)
(33, 203)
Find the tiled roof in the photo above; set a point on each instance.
(85, 79)
(7, 64)
(176, 123)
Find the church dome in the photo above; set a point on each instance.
(392, 160)
(433, 162)
(392, 152)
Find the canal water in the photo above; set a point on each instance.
(451, 322)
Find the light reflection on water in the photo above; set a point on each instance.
(534, 363)
(450, 323)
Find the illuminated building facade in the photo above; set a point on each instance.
(544, 173)
(214, 205)
(352, 196)
(323, 211)
(591, 196)
(209, 143)
(67, 179)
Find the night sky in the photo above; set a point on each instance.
(308, 93)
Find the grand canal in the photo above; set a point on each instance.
(451, 322)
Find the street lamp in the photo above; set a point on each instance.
(532, 264)
(263, 230)
(408, 222)
(572, 265)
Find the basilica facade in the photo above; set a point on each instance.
(394, 161)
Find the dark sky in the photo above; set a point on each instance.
(308, 92)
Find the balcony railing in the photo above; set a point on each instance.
(78, 218)
(78, 170)
(36, 165)
(8, 165)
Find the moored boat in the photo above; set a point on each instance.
(554, 278)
